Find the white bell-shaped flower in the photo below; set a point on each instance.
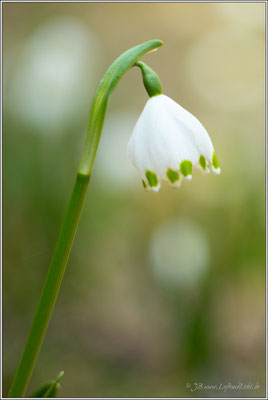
(167, 142)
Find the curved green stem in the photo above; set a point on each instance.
(70, 222)
(106, 86)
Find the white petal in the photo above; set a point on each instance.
(216, 171)
(159, 141)
(165, 135)
(156, 188)
(193, 127)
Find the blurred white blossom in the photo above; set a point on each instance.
(179, 253)
(52, 82)
(226, 68)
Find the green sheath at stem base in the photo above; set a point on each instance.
(67, 233)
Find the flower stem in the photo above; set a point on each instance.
(70, 222)
(51, 287)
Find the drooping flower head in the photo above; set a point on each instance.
(167, 142)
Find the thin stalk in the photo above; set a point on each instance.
(70, 222)
(51, 287)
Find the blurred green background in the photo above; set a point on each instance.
(161, 289)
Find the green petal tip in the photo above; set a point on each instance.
(152, 178)
(186, 168)
(215, 161)
(202, 162)
(172, 175)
